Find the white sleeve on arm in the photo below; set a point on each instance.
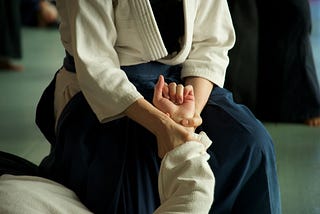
(93, 36)
(213, 36)
(186, 181)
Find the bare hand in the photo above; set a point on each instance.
(192, 122)
(173, 136)
(180, 107)
(175, 100)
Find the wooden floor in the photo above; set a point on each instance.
(297, 146)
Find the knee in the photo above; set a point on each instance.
(258, 139)
(234, 129)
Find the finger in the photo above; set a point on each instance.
(172, 91)
(192, 122)
(179, 93)
(158, 88)
(188, 93)
(195, 121)
(165, 91)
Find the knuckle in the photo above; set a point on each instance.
(172, 84)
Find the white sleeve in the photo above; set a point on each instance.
(91, 29)
(186, 181)
(36, 195)
(213, 37)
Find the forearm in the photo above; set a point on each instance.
(147, 115)
(185, 175)
(202, 89)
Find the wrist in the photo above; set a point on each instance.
(202, 90)
(148, 116)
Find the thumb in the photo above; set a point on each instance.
(159, 87)
(192, 122)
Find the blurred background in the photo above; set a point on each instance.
(31, 53)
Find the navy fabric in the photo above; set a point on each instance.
(113, 167)
(45, 118)
(15, 165)
(68, 62)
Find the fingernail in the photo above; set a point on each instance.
(185, 122)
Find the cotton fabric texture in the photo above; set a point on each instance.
(110, 161)
(186, 185)
(242, 159)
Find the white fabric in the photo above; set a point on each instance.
(186, 185)
(65, 88)
(104, 34)
(36, 195)
(186, 182)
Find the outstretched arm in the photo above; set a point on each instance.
(186, 181)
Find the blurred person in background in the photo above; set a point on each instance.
(10, 36)
(39, 13)
(272, 68)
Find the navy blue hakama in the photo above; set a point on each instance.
(113, 167)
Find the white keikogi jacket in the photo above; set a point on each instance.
(103, 35)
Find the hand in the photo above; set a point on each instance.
(202, 89)
(192, 122)
(181, 106)
(172, 136)
(168, 132)
(175, 100)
